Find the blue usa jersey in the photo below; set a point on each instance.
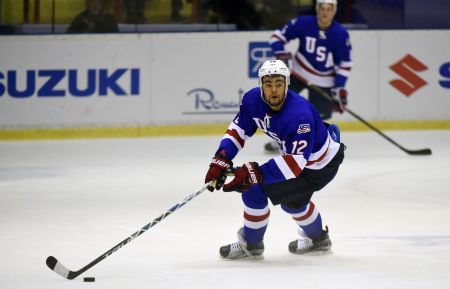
(297, 128)
(323, 57)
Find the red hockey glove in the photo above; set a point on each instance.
(339, 95)
(244, 178)
(285, 57)
(216, 172)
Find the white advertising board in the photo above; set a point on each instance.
(187, 78)
(414, 74)
(54, 81)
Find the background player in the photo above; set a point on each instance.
(323, 58)
(310, 160)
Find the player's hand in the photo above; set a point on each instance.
(217, 171)
(339, 95)
(286, 57)
(244, 177)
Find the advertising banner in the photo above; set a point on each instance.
(200, 78)
(55, 81)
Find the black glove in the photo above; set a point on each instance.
(339, 95)
(244, 177)
(216, 172)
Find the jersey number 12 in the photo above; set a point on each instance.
(298, 146)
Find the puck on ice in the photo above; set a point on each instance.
(89, 279)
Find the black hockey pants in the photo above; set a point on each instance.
(297, 192)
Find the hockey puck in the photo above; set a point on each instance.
(89, 279)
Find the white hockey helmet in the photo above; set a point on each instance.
(273, 66)
(332, 2)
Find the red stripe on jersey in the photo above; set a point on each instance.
(345, 68)
(308, 163)
(292, 164)
(299, 77)
(308, 214)
(278, 37)
(235, 135)
(303, 65)
(253, 218)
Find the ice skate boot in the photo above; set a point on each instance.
(241, 249)
(306, 244)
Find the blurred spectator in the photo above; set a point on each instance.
(239, 12)
(135, 10)
(95, 19)
(177, 6)
(274, 13)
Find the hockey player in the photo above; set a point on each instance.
(323, 58)
(311, 155)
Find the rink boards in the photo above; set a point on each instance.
(125, 81)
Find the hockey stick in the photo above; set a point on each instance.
(425, 151)
(60, 269)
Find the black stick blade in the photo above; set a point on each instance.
(423, 152)
(57, 267)
(51, 262)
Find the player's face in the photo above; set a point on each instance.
(95, 6)
(274, 90)
(325, 15)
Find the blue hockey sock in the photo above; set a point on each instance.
(314, 229)
(254, 236)
(308, 218)
(256, 214)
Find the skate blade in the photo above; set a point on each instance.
(244, 258)
(314, 253)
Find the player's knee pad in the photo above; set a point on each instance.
(255, 197)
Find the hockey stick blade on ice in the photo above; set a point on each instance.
(60, 269)
(422, 152)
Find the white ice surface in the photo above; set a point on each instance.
(388, 215)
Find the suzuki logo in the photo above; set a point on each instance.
(407, 68)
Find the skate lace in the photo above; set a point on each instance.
(235, 247)
(303, 244)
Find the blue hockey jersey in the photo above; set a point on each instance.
(323, 57)
(298, 129)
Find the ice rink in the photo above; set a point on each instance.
(388, 215)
